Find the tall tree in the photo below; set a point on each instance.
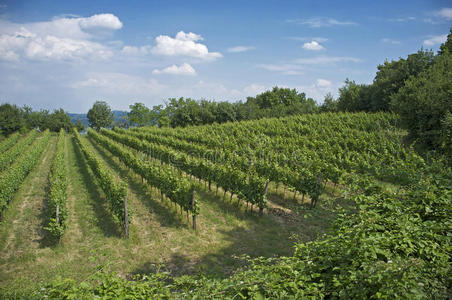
(391, 76)
(425, 105)
(447, 46)
(329, 104)
(139, 114)
(11, 118)
(57, 120)
(350, 96)
(100, 115)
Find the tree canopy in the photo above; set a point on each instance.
(100, 115)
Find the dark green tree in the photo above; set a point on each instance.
(447, 46)
(425, 105)
(351, 96)
(100, 115)
(225, 112)
(57, 120)
(11, 119)
(391, 76)
(139, 114)
(329, 103)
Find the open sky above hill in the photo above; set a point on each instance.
(69, 54)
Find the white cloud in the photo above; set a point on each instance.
(445, 12)
(59, 39)
(321, 22)
(320, 60)
(435, 40)
(240, 49)
(315, 46)
(318, 90)
(403, 19)
(390, 41)
(184, 69)
(323, 82)
(254, 89)
(286, 69)
(102, 21)
(119, 83)
(136, 51)
(300, 66)
(184, 44)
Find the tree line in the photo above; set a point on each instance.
(14, 118)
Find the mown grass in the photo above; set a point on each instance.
(160, 237)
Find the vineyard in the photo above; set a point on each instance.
(317, 205)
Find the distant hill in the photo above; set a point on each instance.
(117, 117)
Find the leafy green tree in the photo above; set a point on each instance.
(225, 112)
(11, 118)
(37, 119)
(79, 125)
(278, 96)
(57, 120)
(208, 111)
(139, 114)
(425, 105)
(447, 46)
(352, 96)
(329, 103)
(100, 115)
(391, 76)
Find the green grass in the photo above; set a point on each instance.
(160, 237)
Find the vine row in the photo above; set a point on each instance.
(14, 176)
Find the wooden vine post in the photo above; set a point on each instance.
(193, 208)
(57, 215)
(261, 208)
(126, 217)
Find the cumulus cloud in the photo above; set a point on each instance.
(315, 46)
(240, 49)
(62, 38)
(321, 22)
(323, 82)
(435, 40)
(184, 69)
(183, 44)
(102, 21)
(445, 12)
(136, 51)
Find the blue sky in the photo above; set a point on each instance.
(69, 54)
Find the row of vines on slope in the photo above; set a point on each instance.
(14, 176)
(7, 158)
(115, 190)
(175, 187)
(304, 180)
(57, 190)
(249, 187)
(313, 144)
(8, 142)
